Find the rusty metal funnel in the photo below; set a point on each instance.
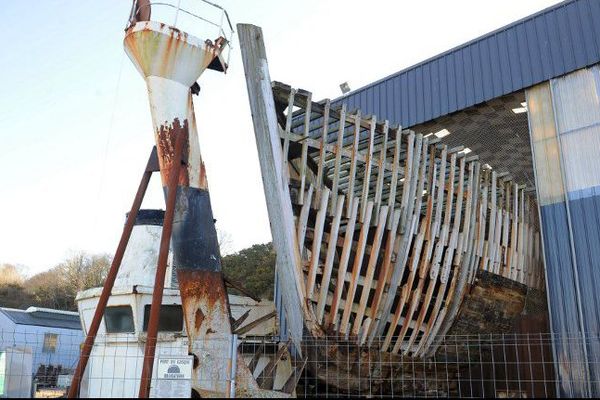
(163, 51)
(171, 61)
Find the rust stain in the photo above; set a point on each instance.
(205, 286)
(165, 140)
(198, 319)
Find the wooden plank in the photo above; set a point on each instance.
(317, 144)
(408, 194)
(381, 169)
(303, 219)
(256, 358)
(514, 261)
(281, 89)
(497, 261)
(266, 129)
(489, 245)
(453, 242)
(448, 262)
(267, 376)
(303, 170)
(497, 258)
(413, 265)
(323, 150)
(414, 182)
(369, 275)
(290, 385)
(461, 280)
(443, 230)
(288, 129)
(464, 235)
(506, 229)
(333, 234)
(338, 156)
(239, 287)
(236, 323)
(406, 290)
(439, 203)
(251, 325)
(521, 237)
(352, 172)
(358, 259)
(483, 216)
(443, 320)
(472, 258)
(429, 266)
(395, 171)
(367, 171)
(408, 174)
(461, 246)
(384, 273)
(315, 255)
(342, 267)
(431, 186)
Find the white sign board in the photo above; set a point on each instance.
(173, 377)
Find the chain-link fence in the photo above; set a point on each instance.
(41, 364)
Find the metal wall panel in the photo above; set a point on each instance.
(546, 45)
(561, 282)
(577, 109)
(564, 118)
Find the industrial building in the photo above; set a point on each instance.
(525, 99)
(52, 335)
(437, 231)
(37, 345)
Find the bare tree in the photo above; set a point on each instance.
(11, 275)
(225, 242)
(58, 287)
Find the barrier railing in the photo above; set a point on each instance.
(200, 18)
(40, 363)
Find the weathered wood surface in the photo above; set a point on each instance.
(384, 234)
(275, 179)
(352, 367)
(395, 259)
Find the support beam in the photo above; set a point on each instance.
(279, 205)
(161, 268)
(86, 349)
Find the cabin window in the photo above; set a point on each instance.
(119, 319)
(169, 320)
(50, 343)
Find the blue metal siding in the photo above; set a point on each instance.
(32, 337)
(561, 286)
(546, 45)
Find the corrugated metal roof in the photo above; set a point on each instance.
(550, 43)
(43, 318)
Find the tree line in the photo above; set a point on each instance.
(253, 267)
(56, 287)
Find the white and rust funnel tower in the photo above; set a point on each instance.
(171, 61)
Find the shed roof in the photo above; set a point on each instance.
(542, 46)
(43, 317)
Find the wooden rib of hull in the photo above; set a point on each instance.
(394, 226)
(399, 235)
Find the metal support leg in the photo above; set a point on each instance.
(161, 269)
(86, 349)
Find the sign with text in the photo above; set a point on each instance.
(173, 377)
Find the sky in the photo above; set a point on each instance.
(75, 122)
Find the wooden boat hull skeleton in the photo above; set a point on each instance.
(392, 228)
